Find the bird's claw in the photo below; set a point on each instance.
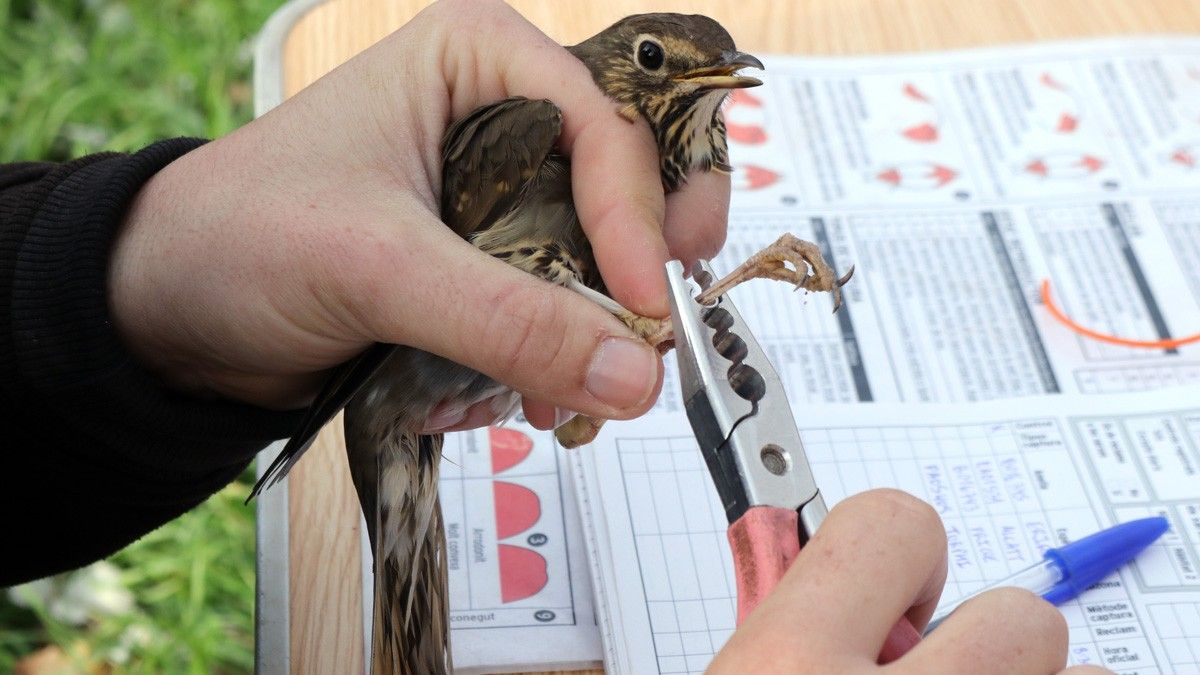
(837, 288)
(789, 259)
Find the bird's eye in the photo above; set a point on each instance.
(650, 55)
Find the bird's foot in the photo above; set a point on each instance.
(789, 259)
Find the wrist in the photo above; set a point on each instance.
(207, 276)
(144, 302)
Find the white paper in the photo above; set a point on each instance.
(1009, 479)
(956, 182)
(945, 305)
(520, 595)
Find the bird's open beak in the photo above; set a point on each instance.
(722, 75)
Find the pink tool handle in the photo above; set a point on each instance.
(765, 541)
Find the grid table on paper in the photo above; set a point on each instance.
(993, 485)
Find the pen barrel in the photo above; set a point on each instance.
(764, 542)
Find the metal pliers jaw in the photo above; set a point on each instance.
(741, 418)
(739, 412)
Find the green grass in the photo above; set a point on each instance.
(192, 582)
(80, 76)
(87, 75)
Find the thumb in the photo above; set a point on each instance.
(438, 293)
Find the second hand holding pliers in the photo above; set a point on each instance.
(741, 418)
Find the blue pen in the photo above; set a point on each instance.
(1069, 570)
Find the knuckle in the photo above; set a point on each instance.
(650, 203)
(636, 209)
(910, 512)
(1040, 617)
(526, 332)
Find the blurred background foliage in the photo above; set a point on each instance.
(80, 76)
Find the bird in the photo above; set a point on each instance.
(506, 189)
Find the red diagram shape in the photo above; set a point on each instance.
(890, 176)
(753, 177)
(517, 508)
(522, 573)
(917, 175)
(509, 448)
(743, 97)
(1067, 123)
(1037, 167)
(1185, 157)
(1065, 165)
(1050, 82)
(746, 134)
(922, 133)
(911, 91)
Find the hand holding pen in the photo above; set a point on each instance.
(839, 591)
(878, 556)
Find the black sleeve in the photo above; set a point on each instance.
(94, 452)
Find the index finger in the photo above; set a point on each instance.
(618, 193)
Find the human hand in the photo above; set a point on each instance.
(877, 556)
(250, 266)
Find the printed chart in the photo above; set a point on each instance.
(1179, 626)
(506, 541)
(520, 595)
(999, 489)
(1006, 483)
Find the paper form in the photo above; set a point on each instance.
(1009, 479)
(520, 596)
(956, 182)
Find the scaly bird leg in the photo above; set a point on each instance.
(808, 270)
(789, 259)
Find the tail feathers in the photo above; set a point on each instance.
(411, 635)
(345, 381)
(396, 476)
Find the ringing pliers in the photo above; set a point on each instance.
(742, 421)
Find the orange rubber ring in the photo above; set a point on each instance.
(1104, 337)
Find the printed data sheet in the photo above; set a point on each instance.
(515, 555)
(956, 183)
(1009, 479)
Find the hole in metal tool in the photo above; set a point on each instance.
(730, 346)
(717, 318)
(775, 459)
(746, 382)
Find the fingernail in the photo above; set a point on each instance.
(444, 416)
(622, 372)
(562, 416)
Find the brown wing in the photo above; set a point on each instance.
(489, 156)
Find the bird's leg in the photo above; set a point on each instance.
(789, 259)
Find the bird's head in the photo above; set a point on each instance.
(674, 70)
